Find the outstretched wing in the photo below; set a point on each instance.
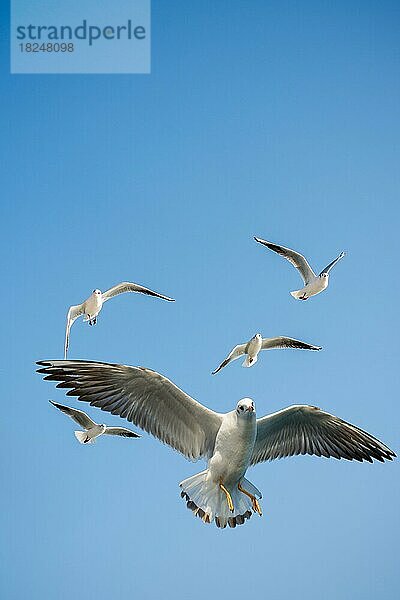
(77, 415)
(286, 342)
(121, 288)
(296, 259)
(333, 263)
(234, 354)
(142, 396)
(302, 429)
(73, 313)
(122, 431)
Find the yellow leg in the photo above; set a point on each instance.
(255, 504)
(228, 497)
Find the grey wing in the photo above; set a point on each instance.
(302, 429)
(143, 397)
(73, 313)
(233, 355)
(333, 263)
(296, 259)
(77, 415)
(126, 286)
(286, 342)
(122, 431)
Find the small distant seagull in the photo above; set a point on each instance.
(93, 305)
(257, 343)
(93, 430)
(314, 284)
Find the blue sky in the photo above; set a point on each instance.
(277, 119)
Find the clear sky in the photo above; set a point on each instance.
(277, 119)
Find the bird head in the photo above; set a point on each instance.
(257, 336)
(324, 275)
(245, 407)
(97, 292)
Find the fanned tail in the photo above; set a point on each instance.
(82, 437)
(249, 362)
(297, 294)
(207, 501)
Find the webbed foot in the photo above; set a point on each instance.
(228, 497)
(254, 502)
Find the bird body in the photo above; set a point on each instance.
(257, 343)
(314, 284)
(253, 347)
(89, 436)
(230, 442)
(234, 444)
(233, 449)
(93, 305)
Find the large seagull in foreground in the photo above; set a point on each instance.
(230, 442)
(314, 284)
(91, 307)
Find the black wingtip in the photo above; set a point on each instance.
(42, 371)
(263, 242)
(57, 405)
(44, 364)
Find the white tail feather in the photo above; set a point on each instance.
(205, 498)
(297, 294)
(81, 436)
(248, 361)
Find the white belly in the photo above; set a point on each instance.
(95, 431)
(93, 306)
(254, 347)
(311, 289)
(233, 449)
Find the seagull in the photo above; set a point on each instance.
(93, 430)
(91, 307)
(257, 343)
(314, 284)
(230, 442)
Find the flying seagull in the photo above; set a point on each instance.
(314, 284)
(257, 343)
(91, 307)
(92, 429)
(230, 442)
